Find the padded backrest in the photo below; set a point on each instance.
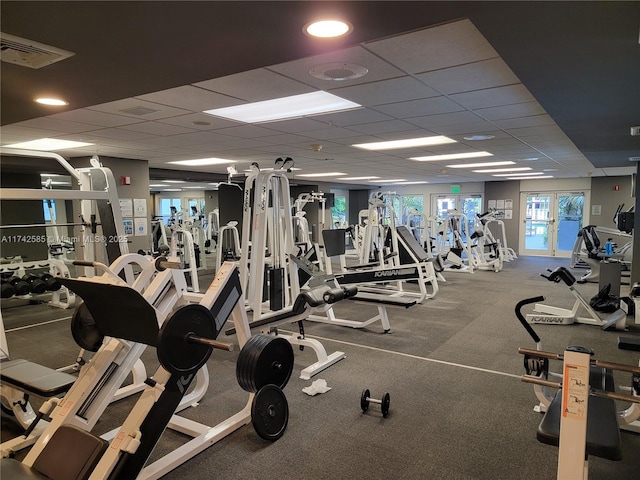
(71, 454)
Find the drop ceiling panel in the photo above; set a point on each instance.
(118, 107)
(92, 117)
(493, 97)
(444, 119)
(474, 76)
(444, 46)
(386, 91)
(255, 86)
(383, 127)
(419, 108)
(378, 68)
(158, 128)
(190, 98)
(511, 111)
(23, 134)
(521, 122)
(54, 124)
(247, 131)
(299, 125)
(187, 121)
(121, 134)
(358, 116)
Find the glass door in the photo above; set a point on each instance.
(551, 222)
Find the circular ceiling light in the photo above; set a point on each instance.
(327, 28)
(479, 137)
(338, 72)
(56, 102)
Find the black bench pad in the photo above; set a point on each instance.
(34, 378)
(383, 299)
(603, 434)
(629, 343)
(12, 469)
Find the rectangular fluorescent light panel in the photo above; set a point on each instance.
(200, 162)
(485, 164)
(407, 143)
(391, 180)
(174, 181)
(519, 174)
(306, 104)
(411, 183)
(49, 144)
(498, 170)
(452, 156)
(328, 174)
(529, 178)
(358, 178)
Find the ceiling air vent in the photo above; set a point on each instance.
(139, 111)
(28, 53)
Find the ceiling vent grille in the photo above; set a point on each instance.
(28, 53)
(139, 111)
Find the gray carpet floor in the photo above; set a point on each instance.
(451, 367)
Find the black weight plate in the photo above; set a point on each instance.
(264, 360)
(84, 329)
(270, 412)
(175, 353)
(386, 401)
(364, 399)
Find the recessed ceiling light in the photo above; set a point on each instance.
(550, 170)
(172, 190)
(157, 185)
(200, 123)
(529, 174)
(496, 170)
(530, 178)
(327, 28)
(329, 174)
(295, 106)
(484, 164)
(452, 156)
(174, 181)
(405, 143)
(357, 178)
(195, 188)
(53, 102)
(200, 162)
(411, 183)
(389, 180)
(49, 144)
(475, 138)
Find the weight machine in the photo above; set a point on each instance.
(183, 326)
(581, 417)
(561, 316)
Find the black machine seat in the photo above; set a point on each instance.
(71, 454)
(383, 299)
(34, 378)
(603, 435)
(629, 343)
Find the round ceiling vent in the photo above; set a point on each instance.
(338, 71)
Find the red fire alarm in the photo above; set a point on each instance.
(616, 188)
(125, 180)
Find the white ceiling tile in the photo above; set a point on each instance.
(158, 128)
(420, 108)
(494, 97)
(247, 131)
(444, 119)
(511, 111)
(433, 48)
(190, 98)
(92, 117)
(299, 125)
(377, 68)
(255, 85)
(120, 134)
(386, 91)
(383, 127)
(474, 76)
(357, 116)
(520, 122)
(187, 121)
(119, 106)
(54, 124)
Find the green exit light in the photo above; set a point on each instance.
(455, 188)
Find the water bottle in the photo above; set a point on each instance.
(608, 247)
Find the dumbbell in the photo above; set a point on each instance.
(21, 287)
(7, 290)
(37, 285)
(51, 282)
(365, 399)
